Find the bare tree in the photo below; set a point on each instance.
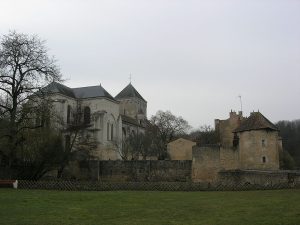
(79, 140)
(25, 67)
(204, 135)
(164, 128)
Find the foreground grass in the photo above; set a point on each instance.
(37, 207)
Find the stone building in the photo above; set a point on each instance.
(180, 149)
(258, 143)
(110, 120)
(249, 143)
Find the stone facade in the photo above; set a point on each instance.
(110, 120)
(180, 149)
(225, 128)
(259, 150)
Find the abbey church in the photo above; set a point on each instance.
(109, 119)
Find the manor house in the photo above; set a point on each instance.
(108, 119)
(245, 143)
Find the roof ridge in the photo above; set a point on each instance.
(88, 86)
(256, 121)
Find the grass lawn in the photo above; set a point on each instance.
(60, 207)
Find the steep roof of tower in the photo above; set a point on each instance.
(129, 91)
(81, 92)
(256, 121)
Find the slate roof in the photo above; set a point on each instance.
(129, 91)
(55, 87)
(91, 92)
(81, 92)
(256, 121)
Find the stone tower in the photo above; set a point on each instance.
(132, 104)
(258, 143)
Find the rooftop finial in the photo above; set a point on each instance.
(130, 78)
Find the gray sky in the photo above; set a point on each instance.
(190, 57)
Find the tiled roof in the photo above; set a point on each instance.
(129, 91)
(256, 121)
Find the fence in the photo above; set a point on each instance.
(148, 186)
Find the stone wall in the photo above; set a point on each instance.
(134, 170)
(206, 163)
(229, 158)
(259, 177)
(209, 160)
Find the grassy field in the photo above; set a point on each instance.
(59, 207)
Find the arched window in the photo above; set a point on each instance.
(69, 114)
(87, 115)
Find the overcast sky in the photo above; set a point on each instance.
(193, 58)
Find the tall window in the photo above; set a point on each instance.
(264, 159)
(87, 115)
(107, 133)
(69, 114)
(112, 132)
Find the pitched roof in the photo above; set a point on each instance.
(256, 121)
(55, 87)
(91, 92)
(129, 91)
(81, 92)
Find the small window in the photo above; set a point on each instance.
(263, 143)
(112, 132)
(264, 159)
